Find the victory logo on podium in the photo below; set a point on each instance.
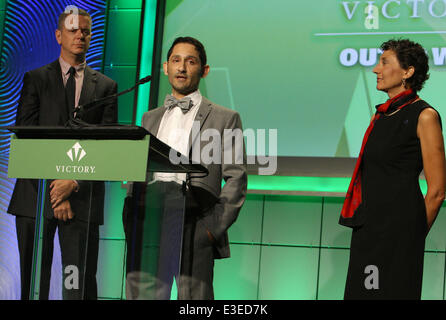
(76, 152)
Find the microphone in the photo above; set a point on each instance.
(144, 80)
(76, 116)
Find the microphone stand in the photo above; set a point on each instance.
(75, 120)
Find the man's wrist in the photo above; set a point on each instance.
(76, 186)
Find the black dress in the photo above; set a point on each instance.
(392, 238)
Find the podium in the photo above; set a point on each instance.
(153, 214)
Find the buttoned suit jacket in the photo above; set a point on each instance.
(220, 206)
(42, 103)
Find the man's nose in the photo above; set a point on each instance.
(79, 34)
(182, 66)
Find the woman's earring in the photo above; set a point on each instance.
(403, 82)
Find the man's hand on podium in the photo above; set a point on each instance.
(61, 190)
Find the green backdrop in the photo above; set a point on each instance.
(283, 65)
(269, 62)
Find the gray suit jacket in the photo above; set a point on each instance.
(220, 206)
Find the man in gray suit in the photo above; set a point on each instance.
(185, 119)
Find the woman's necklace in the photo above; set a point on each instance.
(392, 113)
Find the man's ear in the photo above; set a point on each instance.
(58, 34)
(165, 68)
(206, 70)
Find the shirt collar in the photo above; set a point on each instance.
(195, 97)
(65, 66)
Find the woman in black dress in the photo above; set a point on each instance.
(384, 204)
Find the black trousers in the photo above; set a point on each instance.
(166, 239)
(77, 260)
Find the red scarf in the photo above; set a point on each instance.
(349, 214)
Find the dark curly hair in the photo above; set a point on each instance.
(409, 54)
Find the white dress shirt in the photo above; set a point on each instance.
(174, 130)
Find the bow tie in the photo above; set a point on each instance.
(184, 103)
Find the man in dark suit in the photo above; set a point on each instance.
(210, 209)
(48, 96)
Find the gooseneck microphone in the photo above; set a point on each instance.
(75, 117)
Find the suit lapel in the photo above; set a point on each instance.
(59, 112)
(88, 86)
(203, 112)
(153, 121)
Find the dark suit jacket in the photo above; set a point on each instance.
(220, 206)
(42, 103)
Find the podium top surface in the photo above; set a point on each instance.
(102, 132)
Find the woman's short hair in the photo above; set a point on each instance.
(409, 54)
